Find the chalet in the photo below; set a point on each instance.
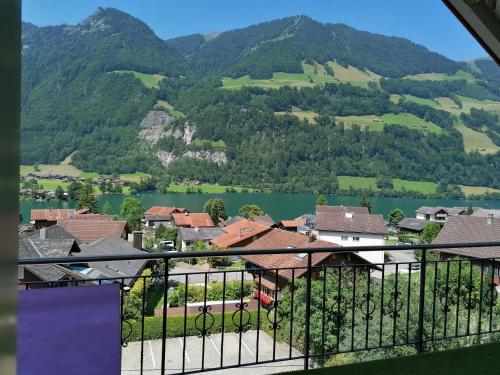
(263, 267)
(87, 231)
(188, 236)
(410, 225)
(351, 226)
(240, 234)
(466, 228)
(192, 220)
(161, 215)
(438, 214)
(54, 241)
(50, 216)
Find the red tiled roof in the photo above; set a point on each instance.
(192, 220)
(339, 221)
(289, 223)
(52, 214)
(163, 210)
(281, 239)
(238, 232)
(465, 228)
(92, 230)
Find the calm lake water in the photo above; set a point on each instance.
(278, 205)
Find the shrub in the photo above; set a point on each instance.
(175, 325)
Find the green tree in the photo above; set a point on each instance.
(132, 308)
(117, 189)
(107, 209)
(216, 209)
(430, 232)
(249, 211)
(396, 216)
(36, 168)
(74, 190)
(87, 197)
(132, 210)
(384, 183)
(59, 192)
(363, 202)
(321, 201)
(102, 187)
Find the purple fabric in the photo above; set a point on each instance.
(69, 330)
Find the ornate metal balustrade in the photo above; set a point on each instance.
(329, 310)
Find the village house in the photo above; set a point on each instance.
(192, 220)
(50, 216)
(240, 234)
(54, 241)
(263, 267)
(486, 212)
(466, 228)
(438, 214)
(161, 215)
(410, 225)
(87, 231)
(188, 236)
(351, 226)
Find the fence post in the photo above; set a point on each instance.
(308, 311)
(421, 305)
(164, 313)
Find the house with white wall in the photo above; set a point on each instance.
(438, 214)
(351, 226)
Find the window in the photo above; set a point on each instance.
(344, 238)
(355, 238)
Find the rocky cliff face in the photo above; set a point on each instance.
(157, 125)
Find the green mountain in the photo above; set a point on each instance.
(71, 98)
(288, 105)
(282, 46)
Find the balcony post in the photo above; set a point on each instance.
(164, 313)
(308, 312)
(421, 307)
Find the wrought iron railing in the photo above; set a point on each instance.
(301, 316)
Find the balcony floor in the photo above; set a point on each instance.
(483, 359)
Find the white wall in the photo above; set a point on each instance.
(365, 239)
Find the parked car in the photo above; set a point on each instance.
(167, 246)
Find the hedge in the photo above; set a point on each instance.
(175, 325)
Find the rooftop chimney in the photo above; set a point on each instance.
(42, 233)
(490, 216)
(348, 215)
(137, 240)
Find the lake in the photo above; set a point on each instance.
(278, 205)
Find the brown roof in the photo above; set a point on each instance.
(238, 232)
(281, 239)
(289, 223)
(264, 220)
(52, 214)
(465, 228)
(163, 210)
(193, 220)
(91, 230)
(345, 222)
(356, 210)
(91, 217)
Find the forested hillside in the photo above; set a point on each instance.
(285, 105)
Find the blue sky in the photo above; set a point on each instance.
(427, 22)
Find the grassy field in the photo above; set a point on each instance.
(405, 119)
(425, 101)
(468, 190)
(441, 76)
(169, 108)
(205, 188)
(369, 182)
(303, 115)
(353, 75)
(476, 141)
(149, 80)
